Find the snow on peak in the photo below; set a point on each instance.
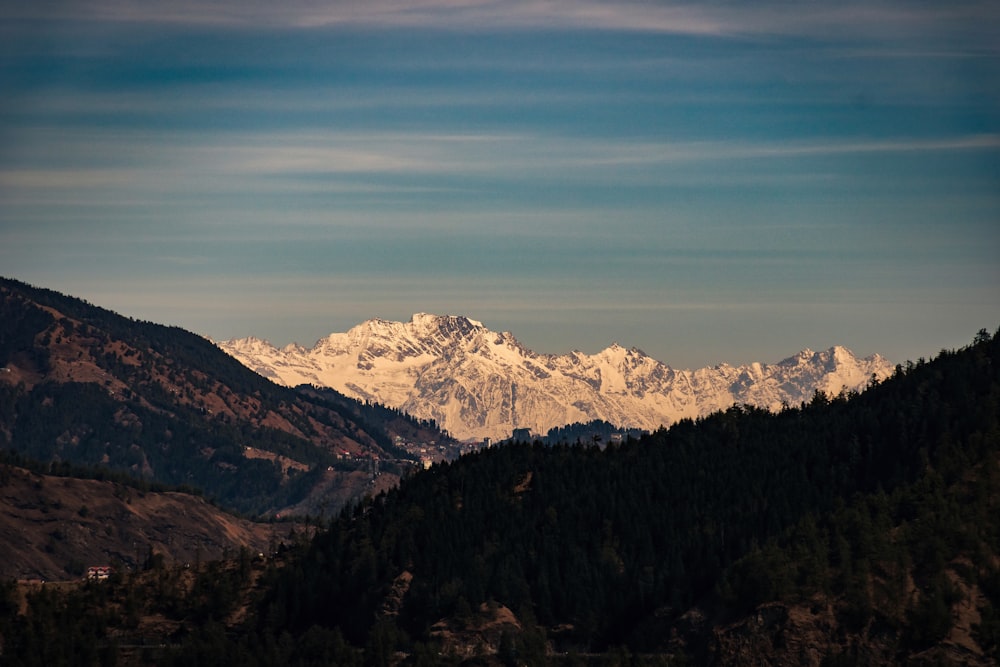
(841, 353)
(478, 383)
(429, 320)
(423, 319)
(803, 356)
(250, 344)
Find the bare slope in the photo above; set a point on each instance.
(53, 528)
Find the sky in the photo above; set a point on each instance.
(709, 182)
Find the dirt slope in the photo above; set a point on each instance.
(53, 528)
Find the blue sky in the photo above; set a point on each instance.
(708, 182)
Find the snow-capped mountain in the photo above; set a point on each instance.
(477, 383)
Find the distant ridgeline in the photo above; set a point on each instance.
(859, 528)
(481, 384)
(597, 432)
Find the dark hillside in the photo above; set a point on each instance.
(910, 576)
(388, 422)
(856, 529)
(81, 384)
(611, 547)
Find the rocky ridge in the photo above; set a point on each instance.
(478, 383)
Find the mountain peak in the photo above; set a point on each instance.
(803, 356)
(429, 319)
(424, 319)
(618, 350)
(478, 383)
(250, 344)
(841, 353)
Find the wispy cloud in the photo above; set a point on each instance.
(646, 153)
(527, 154)
(186, 159)
(18, 179)
(692, 18)
(445, 14)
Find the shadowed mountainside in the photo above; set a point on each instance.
(82, 384)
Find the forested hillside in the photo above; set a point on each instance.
(84, 385)
(855, 528)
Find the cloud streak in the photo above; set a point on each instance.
(573, 168)
(685, 18)
(186, 157)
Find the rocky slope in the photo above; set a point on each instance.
(478, 383)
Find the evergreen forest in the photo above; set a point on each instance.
(881, 508)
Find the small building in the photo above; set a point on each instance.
(99, 572)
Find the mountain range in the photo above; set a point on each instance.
(853, 528)
(477, 383)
